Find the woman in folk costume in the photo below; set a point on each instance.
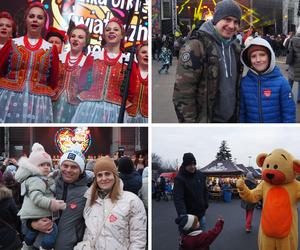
(71, 64)
(138, 94)
(56, 37)
(100, 98)
(7, 27)
(28, 73)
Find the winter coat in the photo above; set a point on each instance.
(207, 78)
(132, 182)
(190, 193)
(248, 205)
(265, 97)
(71, 222)
(198, 240)
(39, 191)
(144, 189)
(294, 68)
(8, 213)
(125, 225)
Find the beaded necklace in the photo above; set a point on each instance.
(71, 64)
(32, 47)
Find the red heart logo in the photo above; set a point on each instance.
(73, 205)
(112, 218)
(66, 138)
(267, 92)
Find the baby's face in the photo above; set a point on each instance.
(45, 168)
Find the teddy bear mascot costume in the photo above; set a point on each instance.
(280, 192)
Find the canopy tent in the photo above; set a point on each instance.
(169, 175)
(223, 168)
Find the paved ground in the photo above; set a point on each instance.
(163, 84)
(233, 236)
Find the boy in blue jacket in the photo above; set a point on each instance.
(265, 95)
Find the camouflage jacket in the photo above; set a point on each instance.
(197, 79)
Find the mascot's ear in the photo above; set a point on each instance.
(260, 159)
(296, 166)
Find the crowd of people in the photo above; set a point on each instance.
(40, 82)
(48, 207)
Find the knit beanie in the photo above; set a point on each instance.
(254, 48)
(226, 8)
(125, 165)
(188, 159)
(105, 164)
(74, 155)
(185, 222)
(38, 155)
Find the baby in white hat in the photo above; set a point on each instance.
(38, 190)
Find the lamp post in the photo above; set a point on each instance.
(249, 160)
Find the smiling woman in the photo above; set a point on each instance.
(100, 92)
(114, 219)
(7, 27)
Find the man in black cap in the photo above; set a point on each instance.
(190, 192)
(209, 70)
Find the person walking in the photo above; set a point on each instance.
(190, 192)
(294, 64)
(209, 71)
(248, 206)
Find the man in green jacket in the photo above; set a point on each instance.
(208, 71)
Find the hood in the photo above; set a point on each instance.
(26, 169)
(145, 173)
(261, 42)
(5, 192)
(209, 28)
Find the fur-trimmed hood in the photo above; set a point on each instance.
(5, 192)
(26, 169)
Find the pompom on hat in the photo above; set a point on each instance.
(38, 155)
(74, 155)
(226, 8)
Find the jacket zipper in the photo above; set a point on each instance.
(259, 102)
(64, 197)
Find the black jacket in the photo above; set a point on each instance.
(132, 182)
(190, 193)
(8, 215)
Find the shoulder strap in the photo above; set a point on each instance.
(93, 242)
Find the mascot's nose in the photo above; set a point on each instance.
(270, 176)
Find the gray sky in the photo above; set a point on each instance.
(204, 142)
